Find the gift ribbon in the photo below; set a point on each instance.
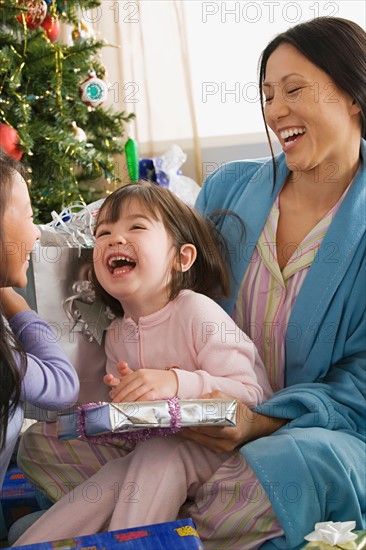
(131, 437)
(334, 534)
(69, 222)
(85, 293)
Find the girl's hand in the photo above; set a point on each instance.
(249, 426)
(141, 385)
(11, 302)
(110, 380)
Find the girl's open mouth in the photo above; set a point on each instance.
(119, 264)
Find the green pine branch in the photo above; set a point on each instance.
(40, 98)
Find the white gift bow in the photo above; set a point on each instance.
(333, 532)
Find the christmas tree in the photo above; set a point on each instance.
(51, 95)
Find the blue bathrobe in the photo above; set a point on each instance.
(314, 468)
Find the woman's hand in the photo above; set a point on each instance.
(249, 426)
(141, 385)
(11, 302)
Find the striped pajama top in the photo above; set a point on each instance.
(267, 295)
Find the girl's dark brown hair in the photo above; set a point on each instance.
(209, 273)
(335, 45)
(10, 375)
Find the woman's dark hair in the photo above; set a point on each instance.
(209, 273)
(10, 374)
(335, 45)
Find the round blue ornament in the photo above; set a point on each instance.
(93, 91)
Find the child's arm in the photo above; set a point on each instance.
(226, 359)
(50, 381)
(141, 385)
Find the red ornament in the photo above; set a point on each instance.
(52, 27)
(37, 10)
(9, 141)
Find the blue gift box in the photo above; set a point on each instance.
(17, 497)
(177, 535)
(147, 170)
(152, 170)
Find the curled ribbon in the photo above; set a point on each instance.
(83, 291)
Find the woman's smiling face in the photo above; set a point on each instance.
(312, 118)
(20, 234)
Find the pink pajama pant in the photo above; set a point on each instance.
(103, 487)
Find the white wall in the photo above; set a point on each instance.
(225, 39)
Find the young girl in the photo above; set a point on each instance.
(156, 261)
(33, 367)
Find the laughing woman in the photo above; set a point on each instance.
(300, 294)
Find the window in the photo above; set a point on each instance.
(225, 42)
(215, 59)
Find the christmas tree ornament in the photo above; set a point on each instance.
(81, 33)
(79, 133)
(9, 141)
(52, 27)
(132, 158)
(61, 6)
(35, 14)
(39, 99)
(93, 91)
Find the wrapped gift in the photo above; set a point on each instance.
(17, 497)
(166, 172)
(177, 535)
(143, 419)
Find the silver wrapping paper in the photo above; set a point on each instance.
(128, 417)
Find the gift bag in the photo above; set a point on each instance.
(60, 291)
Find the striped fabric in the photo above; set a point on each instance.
(267, 295)
(56, 466)
(232, 511)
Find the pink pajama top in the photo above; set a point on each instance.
(194, 335)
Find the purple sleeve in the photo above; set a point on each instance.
(50, 381)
